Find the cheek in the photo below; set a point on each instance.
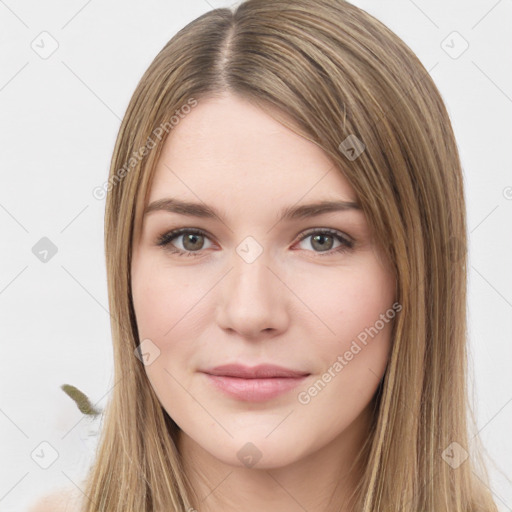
(360, 312)
(356, 305)
(164, 308)
(161, 297)
(349, 300)
(170, 311)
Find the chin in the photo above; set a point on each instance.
(256, 452)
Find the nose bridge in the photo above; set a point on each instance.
(251, 298)
(251, 281)
(251, 277)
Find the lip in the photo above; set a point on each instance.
(261, 371)
(254, 384)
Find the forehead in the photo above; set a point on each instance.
(228, 149)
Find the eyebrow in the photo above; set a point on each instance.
(289, 213)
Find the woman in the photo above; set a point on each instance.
(286, 252)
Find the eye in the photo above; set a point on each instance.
(192, 241)
(323, 239)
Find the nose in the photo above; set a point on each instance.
(253, 299)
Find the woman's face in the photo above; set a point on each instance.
(250, 288)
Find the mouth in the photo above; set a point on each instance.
(254, 384)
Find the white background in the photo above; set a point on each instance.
(59, 117)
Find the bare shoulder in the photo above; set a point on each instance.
(63, 500)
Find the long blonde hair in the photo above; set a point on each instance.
(327, 70)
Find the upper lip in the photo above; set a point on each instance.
(261, 371)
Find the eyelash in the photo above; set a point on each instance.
(166, 239)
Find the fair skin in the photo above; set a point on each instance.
(300, 304)
(65, 500)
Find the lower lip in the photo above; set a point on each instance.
(254, 390)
